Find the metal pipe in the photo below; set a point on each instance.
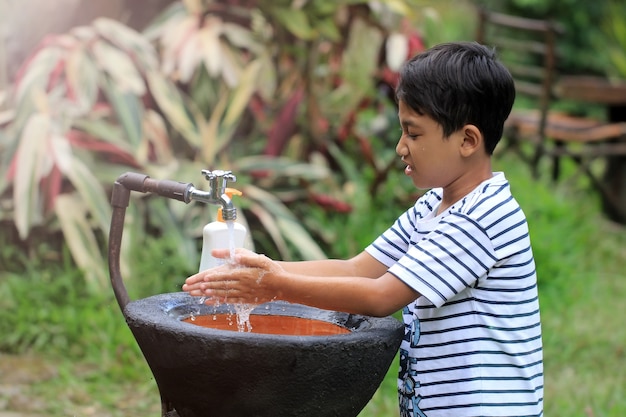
(120, 199)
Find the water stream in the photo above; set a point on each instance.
(231, 240)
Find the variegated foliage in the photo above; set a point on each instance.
(615, 29)
(210, 84)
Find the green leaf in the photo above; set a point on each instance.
(38, 72)
(401, 7)
(282, 167)
(171, 228)
(291, 229)
(360, 59)
(226, 114)
(120, 67)
(91, 193)
(174, 38)
(6, 116)
(33, 163)
(194, 6)
(231, 65)
(270, 226)
(211, 132)
(241, 37)
(128, 109)
(185, 119)
(328, 28)
(618, 58)
(188, 57)
(211, 49)
(329, 7)
(359, 64)
(295, 21)
(6, 156)
(79, 236)
(268, 75)
(82, 78)
(278, 217)
(242, 94)
(105, 131)
(61, 151)
(129, 40)
(156, 140)
(175, 11)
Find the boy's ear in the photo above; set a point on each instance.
(472, 140)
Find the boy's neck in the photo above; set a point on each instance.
(464, 185)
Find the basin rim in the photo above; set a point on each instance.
(164, 311)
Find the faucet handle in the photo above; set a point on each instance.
(214, 176)
(218, 173)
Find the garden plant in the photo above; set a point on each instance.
(260, 88)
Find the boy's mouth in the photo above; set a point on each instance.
(408, 169)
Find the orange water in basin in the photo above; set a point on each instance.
(269, 324)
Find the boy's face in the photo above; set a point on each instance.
(432, 160)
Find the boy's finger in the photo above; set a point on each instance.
(253, 260)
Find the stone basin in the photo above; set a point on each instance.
(296, 360)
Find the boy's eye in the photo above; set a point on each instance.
(409, 133)
(412, 135)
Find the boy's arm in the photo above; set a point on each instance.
(360, 295)
(255, 279)
(362, 265)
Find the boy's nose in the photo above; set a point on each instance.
(401, 149)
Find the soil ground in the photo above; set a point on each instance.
(17, 375)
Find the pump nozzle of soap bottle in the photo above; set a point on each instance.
(221, 235)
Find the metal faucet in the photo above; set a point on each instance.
(185, 192)
(218, 181)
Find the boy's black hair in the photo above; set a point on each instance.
(457, 84)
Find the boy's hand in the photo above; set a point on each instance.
(249, 278)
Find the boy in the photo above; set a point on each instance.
(458, 263)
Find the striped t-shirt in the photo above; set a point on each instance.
(472, 344)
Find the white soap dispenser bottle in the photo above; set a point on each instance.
(217, 235)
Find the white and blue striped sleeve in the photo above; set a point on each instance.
(447, 260)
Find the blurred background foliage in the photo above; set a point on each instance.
(592, 30)
(283, 93)
(262, 88)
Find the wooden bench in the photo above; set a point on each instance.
(528, 47)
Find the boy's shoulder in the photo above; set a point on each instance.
(491, 198)
(493, 208)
